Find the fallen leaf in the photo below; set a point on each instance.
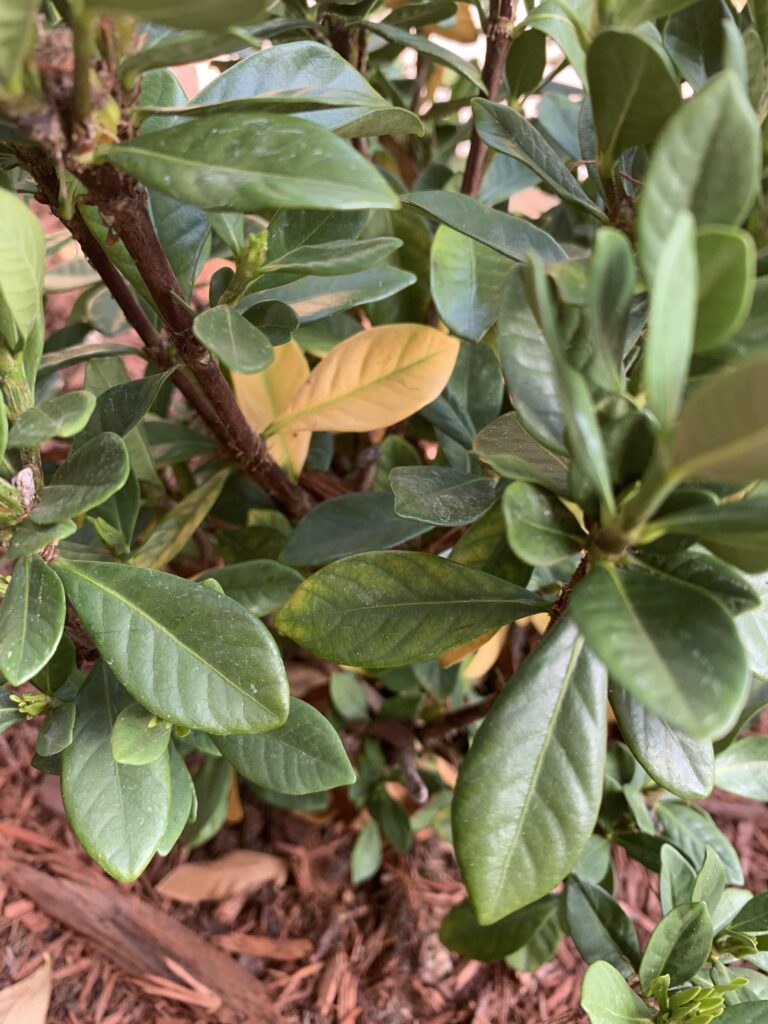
(27, 1001)
(236, 872)
(265, 946)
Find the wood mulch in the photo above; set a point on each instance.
(316, 951)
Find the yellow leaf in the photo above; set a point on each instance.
(461, 30)
(487, 655)
(27, 1001)
(265, 396)
(238, 872)
(373, 379)
(456, 654)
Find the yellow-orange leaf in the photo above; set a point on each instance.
(487, 655)
(456, 654)
(265, 396)
(373, 379)
(462, 29)
(238, 872)
(27, 1001)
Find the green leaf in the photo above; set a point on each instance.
(427, 48)
(304, 755)
(484, 546)
(212, 783)
(463, 933)
(471, 398)
(706, 160)
(753, 916)
(29, 538)
(675, 761)
(365, 859)
(541, 947)
(333, 258)
(599, 927)
(508, 132)
(508, 235)
(741, 769)
(507, 447)
(261, 585)
(711, 574)
(118, 812)
(676, 880)
(672, 646)
(632, 89)
(171, 534)
(31, 619)
(292, 230)
(543, 745)
(348, 525)
(348, 697)
(91, 474)
(607, 998)
(122, 406)
(52, 362)
(57, 731)
(392, 819)
(22, 251)
(745, 1013)
(672, 321)
(727, 258)
(733, 445)
(691, 829)
(234, 340)
(287, 162)
(679, 945)
(392, 608)
(635, 12)
(169, 47)
(276, 321)
(137, 736)
(540, 529)
(611, 289)
(439, 495)
(710, 881)
(193, 657)
(467, 282)
(63, 416)
(563, 21)
(182, 800)
(9, 711)
(17, 30)
(193, 14)
(526, 62)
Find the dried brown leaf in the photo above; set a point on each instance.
(237, 872)
(28, 999)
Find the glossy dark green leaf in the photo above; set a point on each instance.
(679, 945)
(348, 525)
(611, 288)
(365, 859)
(185, 14)
(467, 281)
(543, 745)
(526, 62)
(540, 529)
(734, 444)
(212, 782)
(193, 657)
(121, 406)
(304, 755)
(261, 585)
(118, 812)
(63, 416)
(599, 927)
(9, 711)
(710, 881)
(327, 259)
(508, 132)
(233, 339)
(183, 800)
(393, 608)
(510, 236)
(484, 546)
(292, 230)
(672, 646)
(57, 731)
(692, 830)
(439, 495)
(676, 880)
(463, 933)
(672, 321)
(678, 763)
(29, 538)
(753, 916)
(741, 769)
(726, 258)
(90, 475)
(138, 737)
(348, 696)
(632, 89)
(709, 573)
(705, 160)
(506, 446)
(607, 998)
(392, 818)
(276, 320)
(31, 619)
(174, 47)
(184, 232)
(287, 162)
(52, 362)
(472, 397)
(564, 22)
(423, 45)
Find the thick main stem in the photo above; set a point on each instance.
(500, 19)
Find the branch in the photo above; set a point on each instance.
(500, 18)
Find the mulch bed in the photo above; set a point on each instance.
(328, 953)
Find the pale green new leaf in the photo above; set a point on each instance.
(118, 812)
(31, 619)
(305, 755)
(138, 737)
(191, 656)
(62, 416)
(238, 344)
(17, 21)
(22, 250)
(530, 788)
(679, 946)
(607, 998)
